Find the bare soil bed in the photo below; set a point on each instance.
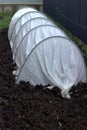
(27, 107)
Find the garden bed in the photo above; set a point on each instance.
(27, 107)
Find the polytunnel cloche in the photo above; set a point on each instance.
(43, 53)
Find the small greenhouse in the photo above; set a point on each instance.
(43, 53)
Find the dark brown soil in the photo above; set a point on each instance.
(24, 107)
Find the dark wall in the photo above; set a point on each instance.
(70, 13)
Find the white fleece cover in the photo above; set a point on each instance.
(43, 53)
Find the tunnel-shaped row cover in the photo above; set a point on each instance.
(43, 53)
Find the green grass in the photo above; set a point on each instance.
(5, 19)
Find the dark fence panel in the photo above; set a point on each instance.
(70, 13)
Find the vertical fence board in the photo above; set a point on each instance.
(70, 13)
(63, 6)
(74, 10)
(83, 14)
